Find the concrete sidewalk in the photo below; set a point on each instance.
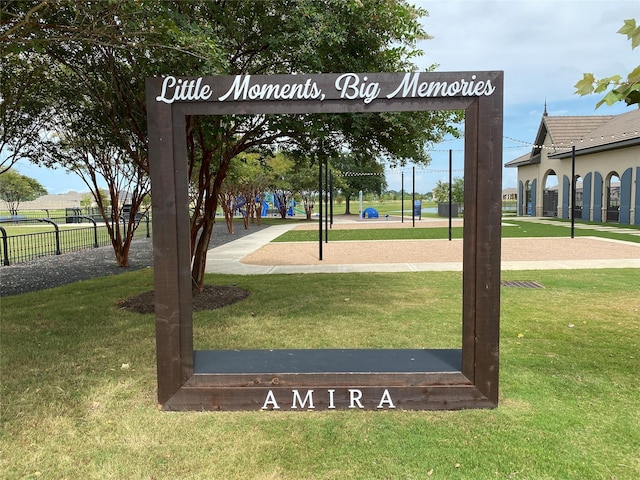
(227, 259)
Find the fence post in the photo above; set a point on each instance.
(95, 230)
(5, 247)
(55, 225)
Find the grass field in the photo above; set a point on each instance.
(79, 400)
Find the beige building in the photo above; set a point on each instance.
(606, 170)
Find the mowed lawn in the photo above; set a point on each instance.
(79, 382)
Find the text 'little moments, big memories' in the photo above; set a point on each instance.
(348, 86)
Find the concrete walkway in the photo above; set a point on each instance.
(227, 258)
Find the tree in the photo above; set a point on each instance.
(127, 188)
(620, 90)
(279, 178)
(24, 112)
(441, 191)
(304, 183)
(16, 188)
(359, 174)
(243, 190)
(94, 59)
(306, 36)
(108, 48)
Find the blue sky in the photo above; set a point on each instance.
(543, 46)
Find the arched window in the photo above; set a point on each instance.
(579, 197)
(550, 195)
(612, 197)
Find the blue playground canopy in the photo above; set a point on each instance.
(370, 213)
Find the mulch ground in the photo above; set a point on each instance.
(212, 297)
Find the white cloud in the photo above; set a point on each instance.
(542, 46)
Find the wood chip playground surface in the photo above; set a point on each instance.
(598, 251)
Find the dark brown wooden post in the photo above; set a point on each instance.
(482, 242)
(470, 241)
(489, 218)
(171, 257)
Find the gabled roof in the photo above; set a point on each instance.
(621, 131)
(523, 160)
(563, 131)
(588, 133)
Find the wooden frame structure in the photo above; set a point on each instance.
(320, 379)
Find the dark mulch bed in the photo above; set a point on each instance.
(213, 296)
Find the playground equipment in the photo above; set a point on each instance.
(291, 204)
(370, 213)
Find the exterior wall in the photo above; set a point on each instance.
(596, 204)
(636, 204)
(566, 197)
(594, 170)
(519, 208)
(527, 174)
(587, 183)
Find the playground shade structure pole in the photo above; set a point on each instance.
(331, 197)
(573, 191)
(413, 197)
(326, 199)
(450, 194)
(402, 197)
(320, 211)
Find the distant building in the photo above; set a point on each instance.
(607, 169)
(55, 202)
(509, 194)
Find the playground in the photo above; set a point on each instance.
(517, 253)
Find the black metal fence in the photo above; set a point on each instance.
(60, 238)
(61, 215)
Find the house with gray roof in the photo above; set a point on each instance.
(585, 165)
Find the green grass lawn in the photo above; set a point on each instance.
(79, 386)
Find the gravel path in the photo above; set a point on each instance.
(56, 270)
(557, 249)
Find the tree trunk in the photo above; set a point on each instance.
(347, 210)
(257, 207)
(227, 203)
(202, 244)
(199, 254)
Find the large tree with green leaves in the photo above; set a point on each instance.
(97, 57)
(105, 50)
(304, 183)
(441, 191)
(24, 113)
(359, 174)
(16, 188)
(311, 36)
(619, 88)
